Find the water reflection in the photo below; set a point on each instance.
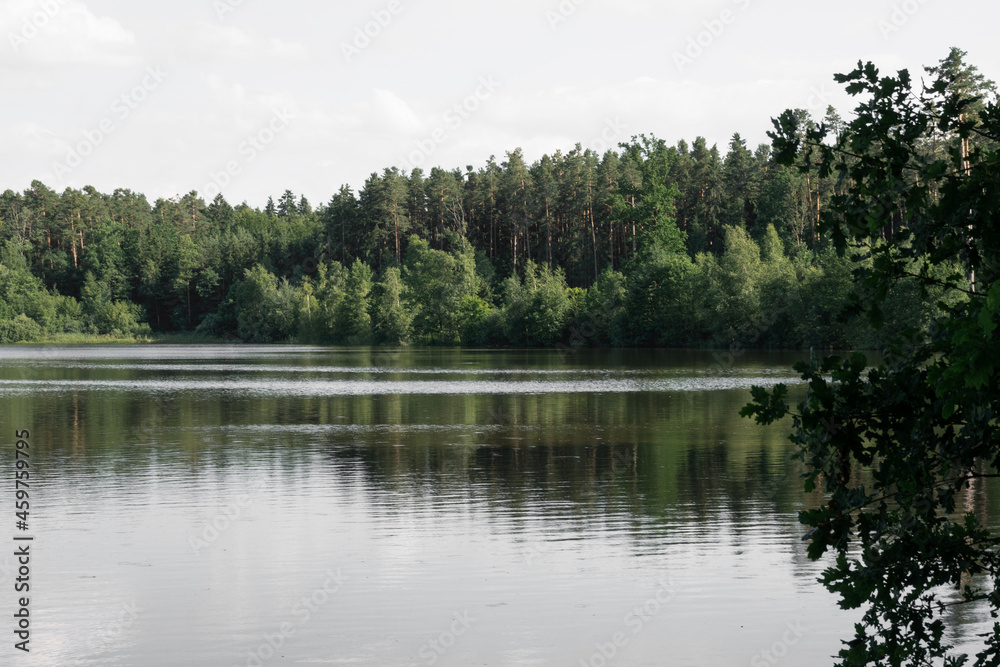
(538, 498)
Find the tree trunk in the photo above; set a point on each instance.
(72, 240)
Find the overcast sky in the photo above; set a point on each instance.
(252, 97)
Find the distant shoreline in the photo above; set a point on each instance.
(201, 340)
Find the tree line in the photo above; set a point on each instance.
(647, 245)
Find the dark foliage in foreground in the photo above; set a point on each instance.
(903, 449)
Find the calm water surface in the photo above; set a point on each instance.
(250, 506)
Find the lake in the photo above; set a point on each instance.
(250, 506)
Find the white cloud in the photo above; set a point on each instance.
(391, 113)
(227, 41)
(62, 32)
(27, 138)
(233, 42)
(287, 50)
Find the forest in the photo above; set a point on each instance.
(650, 244)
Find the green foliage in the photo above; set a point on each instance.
(481, 324)
(899, 447)
(22, 294)
(645, 201)
(353, 323)
(660, 307)
(750, 295)
(537, 308)
(605, 309)
(737, 287)
(322, 321)
(391, 318)
(824, 296)
(437, 282)
(21, 329)
(106, 316)
(265, 308)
